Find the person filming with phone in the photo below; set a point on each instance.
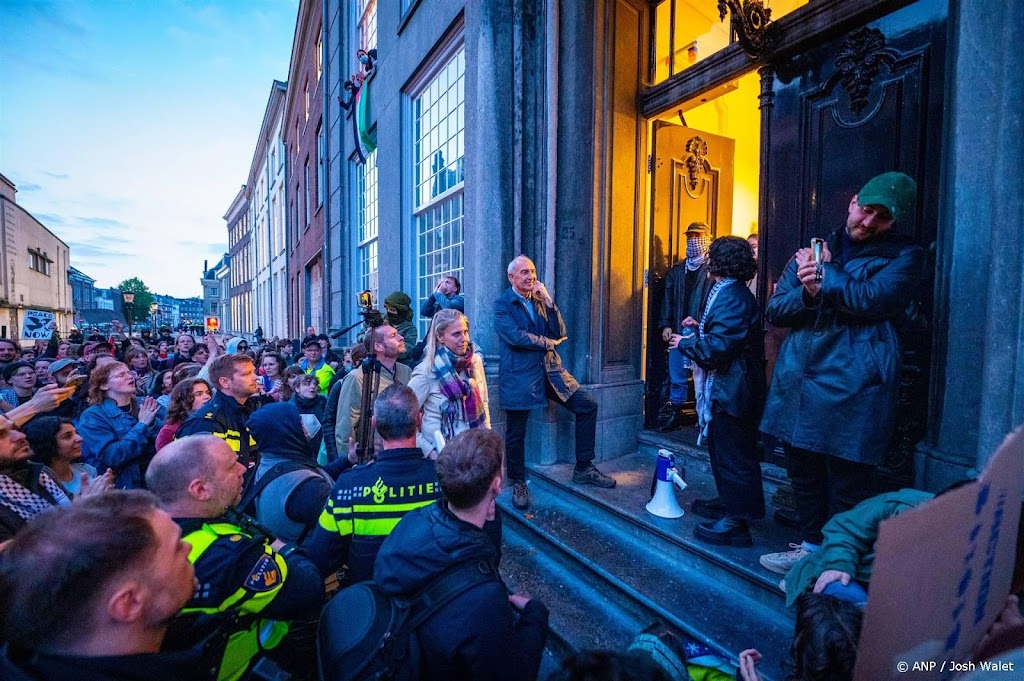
(530, 373)
(832, 401)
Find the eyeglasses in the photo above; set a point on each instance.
(243, 346)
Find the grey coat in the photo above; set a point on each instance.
(836, 378)
(528, 361)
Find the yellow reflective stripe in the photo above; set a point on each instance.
(376, 527)
(327, 521)
(232, 440)
(379, 508)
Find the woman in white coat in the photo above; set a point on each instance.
(449, 382)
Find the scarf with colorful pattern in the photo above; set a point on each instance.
(465, 401)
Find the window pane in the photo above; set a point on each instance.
(439, 231)
(439, 131)
(366, 219)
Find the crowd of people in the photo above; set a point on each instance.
(180, 509)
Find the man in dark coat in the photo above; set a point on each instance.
(530, 373)
(686, 288)
(727, 349)
(484, 633)
(832, 401)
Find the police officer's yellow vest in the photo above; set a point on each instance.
(261, 634)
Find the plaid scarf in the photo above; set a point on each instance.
(463, 394)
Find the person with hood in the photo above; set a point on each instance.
(484, 632)
(398, 307)
(296, 489)
(311, 405)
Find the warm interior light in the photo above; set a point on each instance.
(129, 297)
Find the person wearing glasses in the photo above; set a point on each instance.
(118, 431)
(21, 376)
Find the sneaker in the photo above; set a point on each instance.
(591, 476)
(520, 495)
(780, 563)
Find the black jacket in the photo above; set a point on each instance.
(733, 346)
(365, 504)
(224, 417)
(836, 380)
(684, 297)
(477, 636)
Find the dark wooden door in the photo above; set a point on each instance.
(867, 102)
(691, 181)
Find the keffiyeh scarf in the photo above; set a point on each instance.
(27, 503)
(465, 401)
(703, 379)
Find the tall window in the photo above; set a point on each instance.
(368, 24)
(305, 181)
(319, 56)
(321, 164)
(366, 219)
(305, 98)
(439, 174)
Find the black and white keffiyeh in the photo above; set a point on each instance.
(25, 502)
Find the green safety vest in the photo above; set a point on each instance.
(260, 634)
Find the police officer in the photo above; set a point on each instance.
(234, 377)
(368, 501)
(198, 480)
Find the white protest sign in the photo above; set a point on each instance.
(38, 325)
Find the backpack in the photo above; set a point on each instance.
(367, 635)
(253, 488)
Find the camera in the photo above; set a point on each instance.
(372, 317)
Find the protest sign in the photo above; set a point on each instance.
(38, 325)
(942, 573)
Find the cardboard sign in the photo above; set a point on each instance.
(38, 325)
(942, 574)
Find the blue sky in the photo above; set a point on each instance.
(129, 126)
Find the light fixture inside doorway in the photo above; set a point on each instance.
(752, 21)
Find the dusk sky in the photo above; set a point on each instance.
(128, 127)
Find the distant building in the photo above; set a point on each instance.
(265, 193)
(34, 275)
(222, 274)
(83, 294)
(305, 142)
(240, 249)
(211, 289)
(190, 313)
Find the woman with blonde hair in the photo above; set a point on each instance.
(449, 382)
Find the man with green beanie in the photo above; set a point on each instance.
(832, 401)
(398, 307)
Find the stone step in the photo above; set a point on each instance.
(643, 568)
(684, 442)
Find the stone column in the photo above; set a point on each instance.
(978, 394)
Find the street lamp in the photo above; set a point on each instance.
(129, 303)
(152, 315)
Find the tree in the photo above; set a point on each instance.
(143, 298)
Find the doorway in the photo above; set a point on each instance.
(704, 167)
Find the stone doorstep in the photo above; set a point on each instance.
(553, 491)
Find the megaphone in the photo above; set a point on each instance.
(663, 504)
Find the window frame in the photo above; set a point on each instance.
(440, 58)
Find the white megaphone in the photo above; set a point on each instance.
(663, 504)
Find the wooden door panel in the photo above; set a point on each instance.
(691, 181)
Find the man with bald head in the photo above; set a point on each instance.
(530, 373)
(198, 480)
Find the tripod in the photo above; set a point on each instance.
(370, 366)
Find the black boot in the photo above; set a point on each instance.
(708, 508)
(724, 532)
